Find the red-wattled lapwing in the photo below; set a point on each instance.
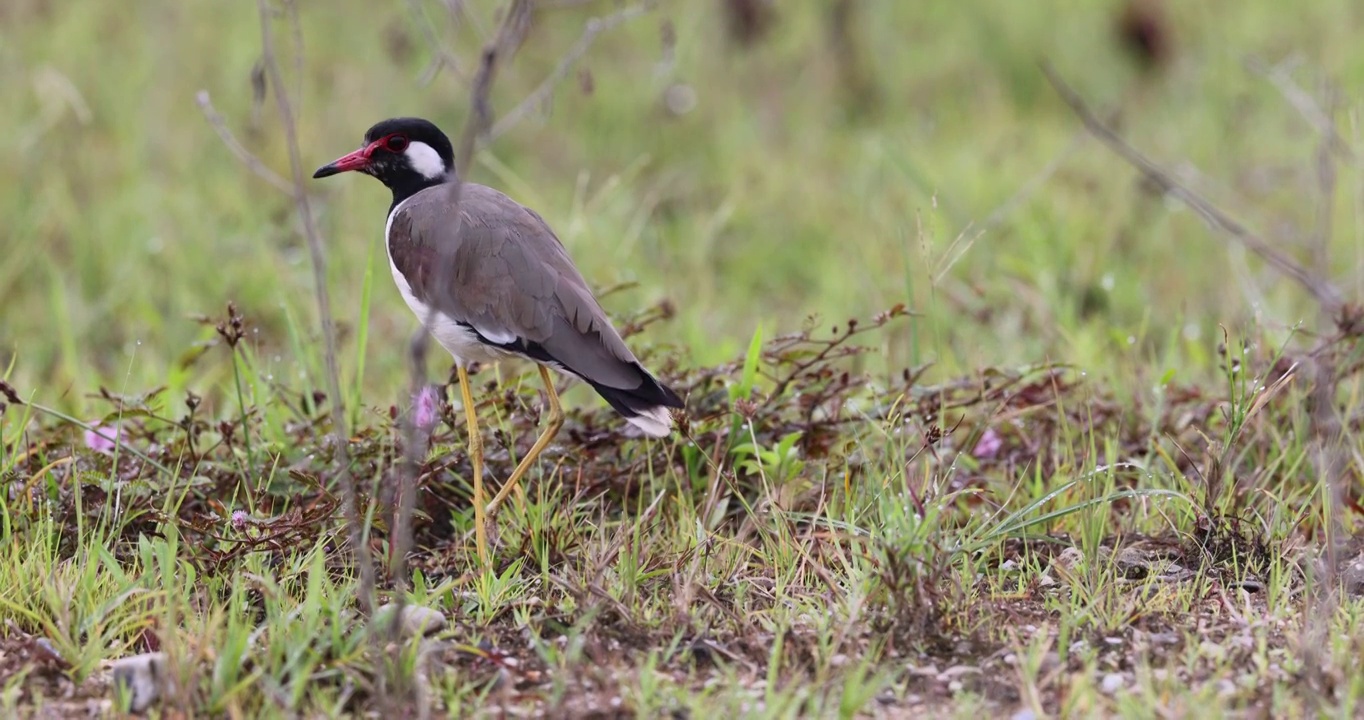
(496, 284)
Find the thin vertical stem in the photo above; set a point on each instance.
(355, 525)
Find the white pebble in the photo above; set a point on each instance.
(1112, 683)
(143, 677)
(418, 621)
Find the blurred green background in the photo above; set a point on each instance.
(851, 156)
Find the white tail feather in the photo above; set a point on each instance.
(655, 421)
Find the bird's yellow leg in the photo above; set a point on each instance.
(556, 421)
(475, 459)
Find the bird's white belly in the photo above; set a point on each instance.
(458, 340)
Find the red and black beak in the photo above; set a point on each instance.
(358, 160)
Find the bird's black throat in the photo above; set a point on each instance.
(405, 185)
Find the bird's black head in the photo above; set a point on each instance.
(406, 154)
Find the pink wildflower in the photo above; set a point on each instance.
(102, 438)
(989, 445)
(425, 409)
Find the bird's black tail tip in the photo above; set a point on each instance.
(647, 407)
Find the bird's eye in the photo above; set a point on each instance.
(396, 143)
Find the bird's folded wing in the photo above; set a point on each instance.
(508, 277)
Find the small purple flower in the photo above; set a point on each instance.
(238, 519)
(102, 438)
(425, 409)
(989, 445)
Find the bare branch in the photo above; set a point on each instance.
(509, 38)
(1320, 288)
(510, 35)
(1326, 185)
(1322, 119)
(354, 518)
(1302, 101)
(251, 162)
(1327, 451)
(1326, 444)
(541, 94)
(442, 58)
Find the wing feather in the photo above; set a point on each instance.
(508, 275)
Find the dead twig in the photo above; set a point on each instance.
(1326, 184)
(836, 346)
(510, 35)
(1311, 111)
(541, 94)
(354, 518)
(251, 162)
(1321, 116)
(1319, 287)
(1326, 444)
(441, 58)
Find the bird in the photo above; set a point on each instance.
(489, 279)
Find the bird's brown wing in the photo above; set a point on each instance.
(508, 277)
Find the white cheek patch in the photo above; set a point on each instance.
(425, 160)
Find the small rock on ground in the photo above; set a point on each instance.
(418, 621)
(1112, 683)
(144, 678)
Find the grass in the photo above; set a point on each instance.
(1085, 473)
